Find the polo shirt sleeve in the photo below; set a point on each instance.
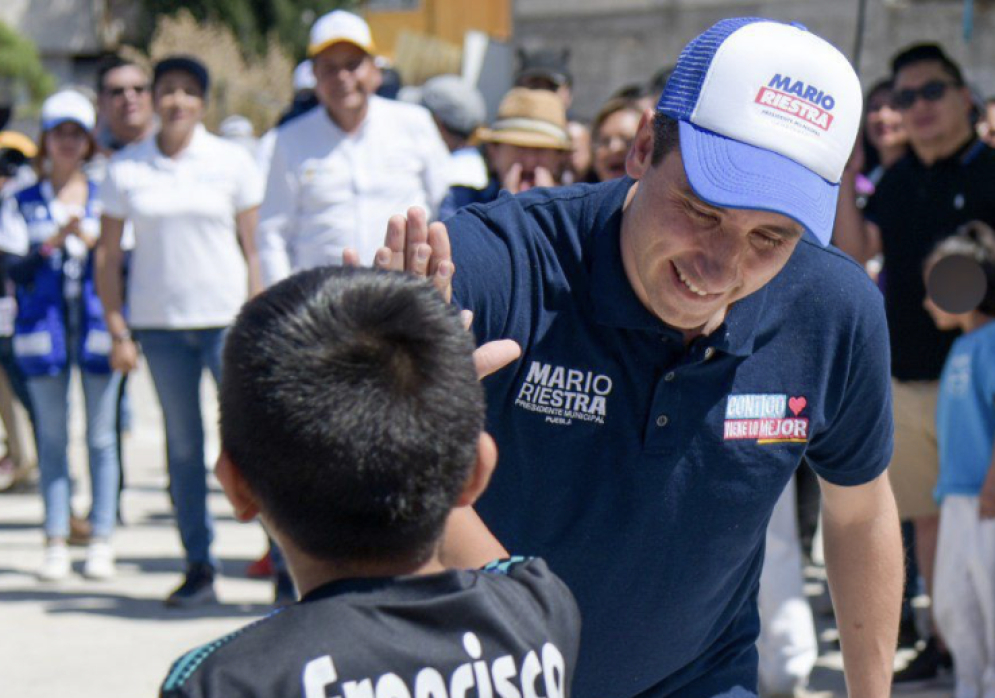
(112, 197)
(856, 444)
(485, 273)
(250, 185)
(13, 228)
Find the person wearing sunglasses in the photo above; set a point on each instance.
(946, 180)
(124, 104)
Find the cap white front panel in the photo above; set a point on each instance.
(781, 88)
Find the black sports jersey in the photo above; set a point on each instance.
(511, 629)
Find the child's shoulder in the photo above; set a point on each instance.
(178, 681)
(360, 629)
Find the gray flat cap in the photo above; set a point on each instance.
(456, 104)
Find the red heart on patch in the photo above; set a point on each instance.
(797, 404)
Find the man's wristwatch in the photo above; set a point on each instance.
(119, 337)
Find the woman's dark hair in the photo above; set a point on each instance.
(872, 158)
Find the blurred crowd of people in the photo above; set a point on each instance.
(129, 228)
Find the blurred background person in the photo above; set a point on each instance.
(986, 124)
(614, 130)
(238, 129)
(48, 231)
(17, 465)
(339, 172)
(458, 110)
(549, 69)
(527, 146)
(193, 200)
(546, 69)
(946, 179)
(124, 104)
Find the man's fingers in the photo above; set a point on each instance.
(466, 317)
(495, 355)
(438, 240)
(419, 261)
(394, 241)
(350, 257)
(416, 234)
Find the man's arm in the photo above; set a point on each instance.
(863, 548)
(245, 226)
(108, 265)
(853, 234)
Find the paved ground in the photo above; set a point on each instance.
(107, 639)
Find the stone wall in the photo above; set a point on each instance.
(614, 42)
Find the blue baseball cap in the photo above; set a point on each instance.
(768, 116)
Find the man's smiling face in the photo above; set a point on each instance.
(687, 260)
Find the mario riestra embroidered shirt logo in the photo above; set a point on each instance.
(794, 97)
(764, 418)
(505, 677)
(564, 394)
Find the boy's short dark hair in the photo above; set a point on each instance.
(920, 53)
(350, 405)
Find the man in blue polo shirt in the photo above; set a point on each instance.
(686, 340)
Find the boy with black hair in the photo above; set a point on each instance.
(367, 379)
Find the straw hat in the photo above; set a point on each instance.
(530, 119)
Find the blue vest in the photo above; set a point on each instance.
(41, 336)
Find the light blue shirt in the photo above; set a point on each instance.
(965, 414)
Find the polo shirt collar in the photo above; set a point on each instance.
(616, 304)
(963, 155)
(196, 146)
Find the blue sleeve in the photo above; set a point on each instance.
(485, 271)
(856, 445)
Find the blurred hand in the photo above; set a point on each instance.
(124, 356)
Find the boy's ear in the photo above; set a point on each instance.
(243, 501)
(480, 476)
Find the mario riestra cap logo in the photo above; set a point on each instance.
(796, 98)
(764, 418)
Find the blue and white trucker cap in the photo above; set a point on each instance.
(768, 116)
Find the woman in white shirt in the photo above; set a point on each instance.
(192, 199)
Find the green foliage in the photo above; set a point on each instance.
(253, 21)
(19, 60)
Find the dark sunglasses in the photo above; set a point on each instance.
(120, 91)
(932, 91)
